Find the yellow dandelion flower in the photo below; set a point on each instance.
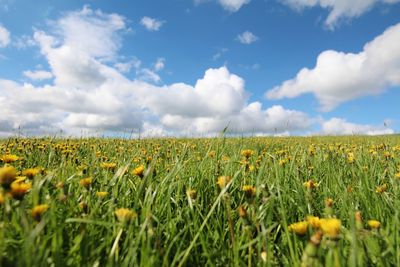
(191, 193)
(139, 171)
(101, 194)
(374, 224)
(223, 181)
(38, 211)
(124, 215)
(86, 182)
(2, 199)
(247, 153)
(9, 158)
(7, 175)
(330, 227)
(110, 166)
(397, 175)
(313, 221)
(329, 202)
(381, 189)
(32, 172)
(225, 158)
(350, 157)
(18, 190)
(211, 154)
(299, 228)
(310, 184)
(249, 191)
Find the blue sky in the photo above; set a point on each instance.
(191, 67)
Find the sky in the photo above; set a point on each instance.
(195, 67)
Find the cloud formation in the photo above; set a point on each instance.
(4, 36)
(247, 37)
(151, 24)
(337, 126)
(339, 77)
(38, 75)
(338, 9)
(233, 5)
(90, 93)
(228, 5)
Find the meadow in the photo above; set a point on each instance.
(289, 201)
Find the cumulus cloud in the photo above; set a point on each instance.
(247, 37)
(38, 75)
(151, 24)
(337, 126)
(90, 93)
(229, 5)
(338, 77)
(339, 9)
(126, 67)
(160, 64)
(4, 37)
(233, 5)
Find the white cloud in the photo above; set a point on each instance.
(151, 24)
(339, 77)
(339, 9)
(149, 75)
(229, 5)
(220, 53)
(4, 37)
(89, 92)
(38, 75)
(160, 64)
(247, 37)
(126, 67)
(233, 5)
(337, 126)
(24, 41)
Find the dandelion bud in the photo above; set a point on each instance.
(38, 211)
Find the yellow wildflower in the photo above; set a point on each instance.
(299, 228)
(374, 224)
(139, 171)
(191, 193)
(2, 200)
(38, 211)
(310, 184)
(124, 215)
(110, 166)
(329, 202)
(86, 182)
(247, 153)
(381, 189)
(350, 157)
(32, 172)
(9, 158)
(313, 221)
(249, 191)
(223, 181)
(7, 175)
(101, 194)
(18, 190)
(330, 227)
(211, 154)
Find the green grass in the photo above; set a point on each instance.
(171, 229)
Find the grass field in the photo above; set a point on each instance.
(315, 201)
